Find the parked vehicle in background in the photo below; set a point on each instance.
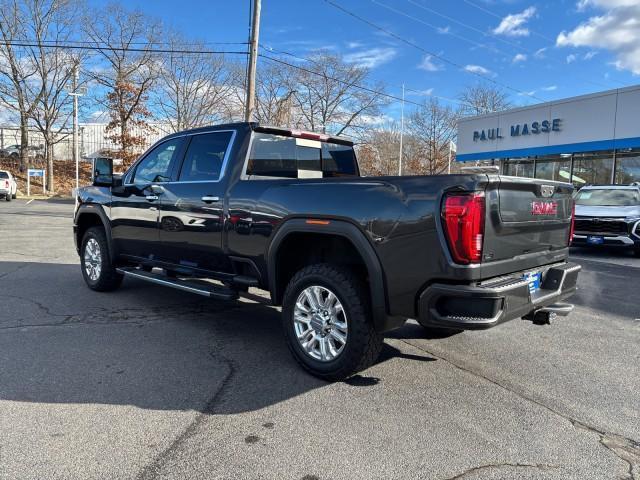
(347, 257)
(13, 151)
(8, 186)
(608, 215)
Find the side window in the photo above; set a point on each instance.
(338, 160)
(205, 156)
(156, 166)
(272, 156)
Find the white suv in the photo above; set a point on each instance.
(8, 185)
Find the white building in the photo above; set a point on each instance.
(590, 139)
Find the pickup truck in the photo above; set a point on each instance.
(8, 186)
(216, 210)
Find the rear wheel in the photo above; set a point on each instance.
(637, 251)
(7, 197)
(97, 268)
(326, 322)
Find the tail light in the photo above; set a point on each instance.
(573, 222)
(463, 218)
(6, 184)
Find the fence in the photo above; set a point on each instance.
(91, 138)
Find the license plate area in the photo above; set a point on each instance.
(534, 279)
(595, 239)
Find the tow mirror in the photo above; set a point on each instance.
(102, 172)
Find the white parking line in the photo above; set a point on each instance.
(29, 202)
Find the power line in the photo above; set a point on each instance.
(343, 82)
(124, 49)
(311, 60)
(428, 52)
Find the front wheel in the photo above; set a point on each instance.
(97, 268)
(326, 322)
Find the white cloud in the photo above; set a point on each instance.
(520, 57)
(513, 25)
(617, 30)
(540, 52)
(479, 70)
(530, 93)
(371, 58)
(550, 88)
(354, 45)
(444, 30)
(422, 93)
(428, 65)
(590, 55)
(571, 58)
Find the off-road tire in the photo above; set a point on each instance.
(363, 343)
(109, 279)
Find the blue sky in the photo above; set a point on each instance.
(544, 49)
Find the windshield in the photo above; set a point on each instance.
(608, 197)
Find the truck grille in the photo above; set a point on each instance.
(606, 226)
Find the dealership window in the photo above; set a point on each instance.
(519, 167)
(592, 168)
(554, 167)
(627, 166)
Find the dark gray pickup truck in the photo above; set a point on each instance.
(217, 210)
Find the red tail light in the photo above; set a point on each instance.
(463, 218)
(6, 184)
(573, 221)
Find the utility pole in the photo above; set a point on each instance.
(253, 60)
(401, 132)
(76, 155)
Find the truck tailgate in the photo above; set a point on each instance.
(525, 216)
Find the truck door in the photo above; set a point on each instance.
(192, 211)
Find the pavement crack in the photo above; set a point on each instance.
(480, 468)
(626, 449)
(150, 471)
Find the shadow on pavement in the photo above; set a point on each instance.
(144, 346)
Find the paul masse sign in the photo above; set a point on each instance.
(519, 129)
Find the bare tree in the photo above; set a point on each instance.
(432, 127)
(483, 98)
(327, 97)
(122, 38)
(379, 150)
(20, 90)
(192, 88)
(54, 70)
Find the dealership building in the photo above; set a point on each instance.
(591, 139)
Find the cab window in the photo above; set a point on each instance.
(205, 157)
(157, 164)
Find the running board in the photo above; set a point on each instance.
(198, 287)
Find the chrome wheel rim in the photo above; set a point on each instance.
(92, 259)
(320, 323)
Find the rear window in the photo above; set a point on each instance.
(608, 197)
(288, 157)
(4, 175)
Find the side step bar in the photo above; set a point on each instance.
(193, 286)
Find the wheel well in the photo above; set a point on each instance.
(300, 249)
(85, 222)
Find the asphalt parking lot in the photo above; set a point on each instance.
(148, 382)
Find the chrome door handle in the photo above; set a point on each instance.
(151, 198)
(209, 199)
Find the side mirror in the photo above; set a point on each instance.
(102, 172)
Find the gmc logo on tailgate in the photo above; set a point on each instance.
(544, 208)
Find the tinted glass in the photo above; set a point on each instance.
(519, 168)
(555, 167)
(156, 166)
(272, 156)
(278, 156)
(4, 175)
(338, 160)
(591, 168)
(205, 156)
(608, 197)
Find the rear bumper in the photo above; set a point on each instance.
(474, 307)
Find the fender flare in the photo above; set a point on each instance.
(349, 231)
(95, 209)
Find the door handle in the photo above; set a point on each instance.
(151, 198)
(210, 199)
